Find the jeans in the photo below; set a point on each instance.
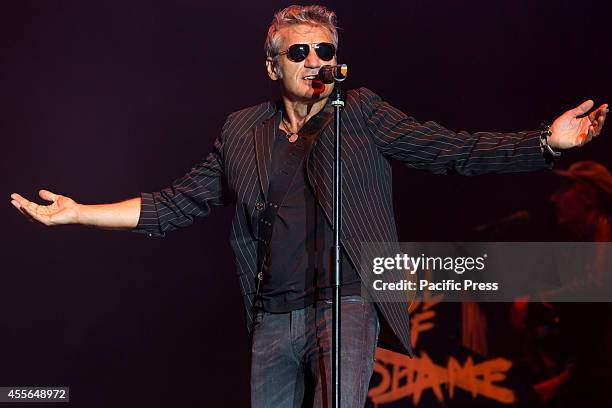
(291, 355)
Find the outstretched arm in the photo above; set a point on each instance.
(64, 210)
(432, 147)
(191, 196)
(174, 207)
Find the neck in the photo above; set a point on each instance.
(298, 113)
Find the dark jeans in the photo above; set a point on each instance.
(291, 355)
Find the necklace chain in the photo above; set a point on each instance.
(292, 137)
(287, 127)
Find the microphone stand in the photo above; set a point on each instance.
(338, 105)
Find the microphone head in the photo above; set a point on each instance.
(328, 74)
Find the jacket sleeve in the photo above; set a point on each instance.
(431, 147)
(190, 196)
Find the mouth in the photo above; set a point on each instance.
(317, 86)
(315, 83)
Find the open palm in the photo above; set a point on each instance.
(568, 130)
(62, 210)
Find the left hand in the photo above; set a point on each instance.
(569, 131)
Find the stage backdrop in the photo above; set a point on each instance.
(103, 99)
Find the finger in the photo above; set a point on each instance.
(586, 137)
(583, 108)
(17, 197)
(597, 124)
(594, 128)
(22, 211)
(17, 206)
(601, 119)
(591, 133)
(47, 195)
(600, 126)
(22, 201)
(599, 112)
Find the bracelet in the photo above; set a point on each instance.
(545, 133)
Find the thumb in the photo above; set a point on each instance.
(47, 195)
(583, 108)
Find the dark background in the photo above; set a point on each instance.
(103, 99)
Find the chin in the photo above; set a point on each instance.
(318, 93)
(307, 96)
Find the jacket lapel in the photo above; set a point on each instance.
(320, 169)
(264, 141)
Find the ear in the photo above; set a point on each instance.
(271, 68)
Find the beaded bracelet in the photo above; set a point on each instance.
(545, 133)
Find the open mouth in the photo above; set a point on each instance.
(315, 83)
(317, 86)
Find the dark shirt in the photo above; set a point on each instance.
(298, 270)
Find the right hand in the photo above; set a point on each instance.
(63, 210)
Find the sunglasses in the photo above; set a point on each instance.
(299, 52)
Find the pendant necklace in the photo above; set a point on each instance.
(292, 137)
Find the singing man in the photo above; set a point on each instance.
(273, 163)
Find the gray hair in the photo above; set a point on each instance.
(314, 15)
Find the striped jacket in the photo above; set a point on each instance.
(237, 172)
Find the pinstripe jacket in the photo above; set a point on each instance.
(237, 172)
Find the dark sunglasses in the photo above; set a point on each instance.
(299, 52)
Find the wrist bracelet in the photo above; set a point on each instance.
(545, 132)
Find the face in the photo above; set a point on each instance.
(573, 205)
(291, 74)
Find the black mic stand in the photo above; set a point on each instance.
(338, 105)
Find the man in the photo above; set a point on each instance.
(584, 205)
(563, 349)
(281, 232)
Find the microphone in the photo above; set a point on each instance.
(328, 74)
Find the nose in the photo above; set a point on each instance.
(312, 60)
